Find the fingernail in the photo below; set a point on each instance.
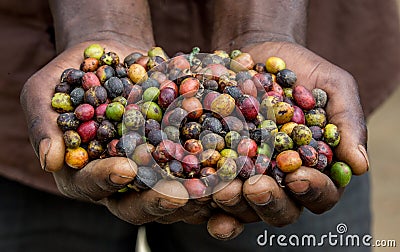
(230, 202)
(120, 179)
(168, 205)
(44, 148)
(299, 186)
(364, 153)
(260, 199)
(253, 179)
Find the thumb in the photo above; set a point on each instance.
(45, 136)
(345, 111)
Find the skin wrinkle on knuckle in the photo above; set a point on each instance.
(199, 213)
(184, 215)
(154, 207)
(77, 184)
(90, 193)
(67, 189)
(278, 211)
(34, 131)
(130, 211)
(274, 208)
(321, 201)
(127, 215)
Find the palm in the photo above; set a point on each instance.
(99, 179)
(343, 108)
(307, 186)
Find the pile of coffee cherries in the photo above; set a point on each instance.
(198, 118)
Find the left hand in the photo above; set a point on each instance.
(260, 197)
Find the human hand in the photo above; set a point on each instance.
(100, 179)
(260, 197)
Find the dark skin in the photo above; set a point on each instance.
(258, 198)
(306, 186)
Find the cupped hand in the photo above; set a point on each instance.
(260, 197)
(100, 179)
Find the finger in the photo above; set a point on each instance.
(44, 133)
(97, 180)
(222, 226)
(228, 196)
(343, 108)
(138, 208)
(193, 212)
(313, 189)
(270, 201)
(351, 125)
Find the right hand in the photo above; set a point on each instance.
(100, 179)
(306, 187)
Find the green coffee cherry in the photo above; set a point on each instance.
(316, 117)
(340, 174)
(133, 119)
(157, 51)
(232, 139)
(151, 110)
(264, 149)
(151, 94)
(269, 125)
(226, 168)
(235, 53)
(331, 135)
(62, 103)
(93, 51)
(301, 135)
(283, 142)
(115, 111)
(229, 153)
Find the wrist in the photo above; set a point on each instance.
(257, 21)
(107, 20)
(107, 38)
(121, 49)
(251, 39)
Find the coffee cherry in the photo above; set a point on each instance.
(61, 102)
(93, 51)
(145, 178)
(286, 78)
(72, 139)
(226, 168)
(274, 65)
(67, 121)
(76, 158)
(84, 112)
(341, 174)
(288, 161)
